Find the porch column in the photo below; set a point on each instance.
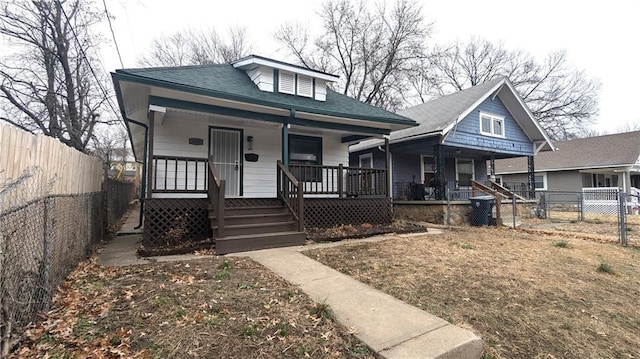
(440, 188)
(492, 170)
(387, 162)
(151, 117)
(531, 177)
(285, 139)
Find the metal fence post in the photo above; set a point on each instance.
(622, 220)
(513, 210)
(581, 206)
(448, 207)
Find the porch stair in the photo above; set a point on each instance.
(252, 227)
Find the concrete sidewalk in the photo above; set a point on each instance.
(390, 327)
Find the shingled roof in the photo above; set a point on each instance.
(439, 116)
(621, 149)
(225, 81)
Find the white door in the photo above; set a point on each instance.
(224, 147)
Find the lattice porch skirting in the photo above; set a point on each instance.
(330, 212)
(170, 221)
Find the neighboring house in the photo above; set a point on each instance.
(250, 152)
(602, 161)
(456, 136)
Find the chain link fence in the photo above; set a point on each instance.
(118, 196)
(42, 238)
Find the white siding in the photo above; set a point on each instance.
(259, 178)
(321, 90)
(263, 77)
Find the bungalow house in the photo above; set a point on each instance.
(249, 152)
(602, 161)
(456, 136)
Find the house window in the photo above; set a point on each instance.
(306, 151)
(541, 181)
(305, 86)
(464, 172)
(491, 125)
(428, 169)
(366, 160)
(287, 82)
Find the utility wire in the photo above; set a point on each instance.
(84, 56)
(113, 35)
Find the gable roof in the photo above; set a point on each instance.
(621, 149)
(226, 82)
(439, 116)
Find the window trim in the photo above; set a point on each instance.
(318, 140)
(363, 156)
(493, 119)
(473, 169)
(544, 181)
(422, 171)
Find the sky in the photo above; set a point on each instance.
(600, 37)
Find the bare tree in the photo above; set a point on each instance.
(197, 47)
(563, 99)
(373, 50)
(48, 84)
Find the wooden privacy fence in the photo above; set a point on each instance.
(64, 169)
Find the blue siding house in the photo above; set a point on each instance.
(456, 137)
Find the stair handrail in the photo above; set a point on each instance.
(291, 192)
(215, 192)
(504, 190)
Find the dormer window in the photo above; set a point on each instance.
(277, 76)
(287, 82)
(305, 86)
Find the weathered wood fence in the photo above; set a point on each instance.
(52, 214)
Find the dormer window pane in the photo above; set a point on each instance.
(287, 82)
(305, 86)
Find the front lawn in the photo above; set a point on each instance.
(528, 295)
(206, 308)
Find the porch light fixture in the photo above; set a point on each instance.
(250, 140)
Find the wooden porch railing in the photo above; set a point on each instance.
(504, 191)
(215, 192)
(290, 191)
(341, 180)
(172, 174)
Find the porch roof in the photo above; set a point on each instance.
(609, 151)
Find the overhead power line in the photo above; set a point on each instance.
(113, 35)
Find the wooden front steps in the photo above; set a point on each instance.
(253, 227)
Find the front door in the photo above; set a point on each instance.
(224, 148)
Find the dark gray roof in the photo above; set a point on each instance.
(622, 149)
(436, 115)
(225, 81)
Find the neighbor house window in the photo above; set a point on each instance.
(428, 169)
(305, 151)
(464, 172)
(491, 125)
(541, 181)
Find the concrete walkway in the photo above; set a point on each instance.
(390, 327)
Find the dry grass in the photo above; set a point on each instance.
(209, 308)
(526, 296)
